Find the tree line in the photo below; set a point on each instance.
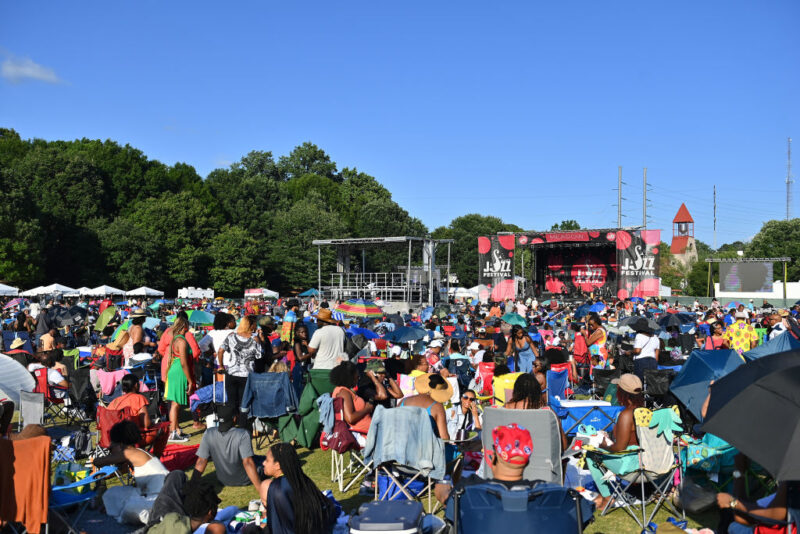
(89, 212)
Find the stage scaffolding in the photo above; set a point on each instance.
(412, 284)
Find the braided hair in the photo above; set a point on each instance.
(313, 512)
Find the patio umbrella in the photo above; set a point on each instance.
(676, 319)
(597, 307)
(690, 385)
(105, 318)
(395, 319)
(514, 319)
(309, 293)
(781, 343)
(68, 316)
(366, 332)
(634, 319)
(733, 304)
(13, 378)
(637, 299)
(582, 311)
(426, 313)
(756, 409)
(359, 308)
(14, 302)
(404, 334)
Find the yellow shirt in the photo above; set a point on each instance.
(741, 335)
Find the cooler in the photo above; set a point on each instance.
(389, 517)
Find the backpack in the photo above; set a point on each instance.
(461, 368)
(81, 442)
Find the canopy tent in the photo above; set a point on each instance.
(463, 293)
(780, 343)
(690, 385)
(483, 292)
(8, 291)
(52, 289)
(310, 293)
(261, 292)
(35, 292)
(13, 378)
(102, 291)
(144, 291)
(80, 292)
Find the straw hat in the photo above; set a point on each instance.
(138, 312)
(440, 393)
(326, 316)
(18, 343)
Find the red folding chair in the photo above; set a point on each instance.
(55, 406)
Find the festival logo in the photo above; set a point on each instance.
(587, 275)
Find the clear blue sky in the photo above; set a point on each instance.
(522, 110)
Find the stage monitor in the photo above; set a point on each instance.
(746, 277)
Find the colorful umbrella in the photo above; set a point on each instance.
(14, 302)
(733, 304)
(105, 318)
(360, 308)
(196, 318)
(514, 319)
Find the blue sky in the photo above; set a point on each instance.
(521, 109)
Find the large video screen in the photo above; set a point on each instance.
(746, 277)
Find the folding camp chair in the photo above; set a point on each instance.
(652, 464)
(355, 467)
(31, 409)
(601, 378)
(269, 397)
(66, 496)
(558, 385)
(409, 476)
(540, 507)
(545, 462)
(55, 406)
(656, 386)
(574, 414)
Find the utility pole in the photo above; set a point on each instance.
(715, 217)
(644, 199)
(619, 196)
(789, 178)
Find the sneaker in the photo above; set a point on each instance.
(178, 437)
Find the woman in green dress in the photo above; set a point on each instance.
(179, 377)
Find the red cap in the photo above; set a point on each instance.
(513, 443)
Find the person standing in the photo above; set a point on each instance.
(178, 378)
(646, 347)
(741, 335)
(243, 350)
(327, 343)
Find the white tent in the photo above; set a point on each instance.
(101, 291)
(81, 291)
(13, 378)
(55, 289)
(32, 292)
(8, 291)
(463, 293)
(144, 291)
(483, 292)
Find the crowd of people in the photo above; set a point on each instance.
(462, 349)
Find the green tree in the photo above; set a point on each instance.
(465, 231)
(569, 224)
(291, 252)
(307, 158)
(235, 261)
(778, 238)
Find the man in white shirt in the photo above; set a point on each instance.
(327, 343)
(475, 353)
(224, 325)
(778, 323)
(645, 349)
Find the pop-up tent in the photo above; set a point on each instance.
(145, 291)
(309, 293)
(781, 343)
(101, 291)
(34, 292)
(8, 291)
(13, 378)
(690, 385)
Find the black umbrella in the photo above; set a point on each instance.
(395, 319)
(636, 319)
(756, 408)
(676, 319)
(61, 317)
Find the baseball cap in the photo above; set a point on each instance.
(512, 443)
(396, 350)
(741, 315)
(474, 346)
(435, 343)
(629, 382)
(225, 414)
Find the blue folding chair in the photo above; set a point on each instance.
(64, 496)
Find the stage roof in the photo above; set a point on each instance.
(376, 240)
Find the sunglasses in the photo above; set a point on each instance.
(467, 397)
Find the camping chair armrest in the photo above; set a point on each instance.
(762, 520)
(97, 476)
(604, 453)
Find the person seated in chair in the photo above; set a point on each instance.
(132, 403)
(230, 449)
(54, 378)
(511, 452)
